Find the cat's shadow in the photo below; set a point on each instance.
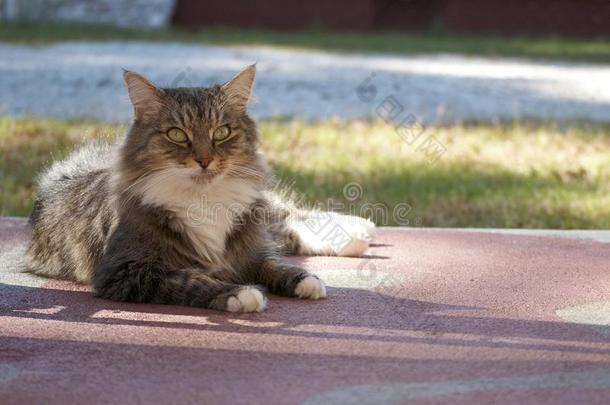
(365, 256)
(380, 245)
(346, 314)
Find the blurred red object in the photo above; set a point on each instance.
(586, 18)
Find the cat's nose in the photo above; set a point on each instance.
(204, 162)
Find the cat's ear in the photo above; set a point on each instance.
(239, 88)
(144, 96)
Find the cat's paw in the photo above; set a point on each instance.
(311, 288)
(247, 299)
(357, 227)
(360, 230)
(353, 248)
(334, 234)
(369, 225)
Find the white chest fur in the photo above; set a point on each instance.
(205, 214)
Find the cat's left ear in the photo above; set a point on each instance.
(239, 88)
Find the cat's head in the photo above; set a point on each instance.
(193, 135)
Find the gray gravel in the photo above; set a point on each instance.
(71, 80)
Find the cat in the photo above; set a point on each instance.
(182, 210)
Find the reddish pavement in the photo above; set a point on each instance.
(429, 316)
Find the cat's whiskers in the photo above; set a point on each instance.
(245, 170)
(237, 168)
(143, 177)
(134, 190)
(156, 181)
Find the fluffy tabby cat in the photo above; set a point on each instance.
(180, 212)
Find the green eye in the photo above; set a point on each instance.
(177, 135)
(221, 133)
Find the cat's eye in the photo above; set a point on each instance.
(177, 135)
(221, 133)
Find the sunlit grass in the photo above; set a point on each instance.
(591, 50)
(492, 175)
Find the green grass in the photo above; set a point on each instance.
(528, 175)
(597, 50)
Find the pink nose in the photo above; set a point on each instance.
(204, 162)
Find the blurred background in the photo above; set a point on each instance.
(441, 113)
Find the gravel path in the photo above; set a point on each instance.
(70, 80)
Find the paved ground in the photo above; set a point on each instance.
(429, 316)
(84, 79)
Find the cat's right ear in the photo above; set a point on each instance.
(144, 96)
(239, 88)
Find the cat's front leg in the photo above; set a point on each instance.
(288, 280)
(245, 299)
(148, 283)
(311, 287)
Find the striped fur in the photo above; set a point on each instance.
(143, 221)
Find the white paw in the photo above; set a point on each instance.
(310, 287)
(369, 226)
(333, 234)
(361, 232)
(357, 227)
(354, 248)
(248, 299)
